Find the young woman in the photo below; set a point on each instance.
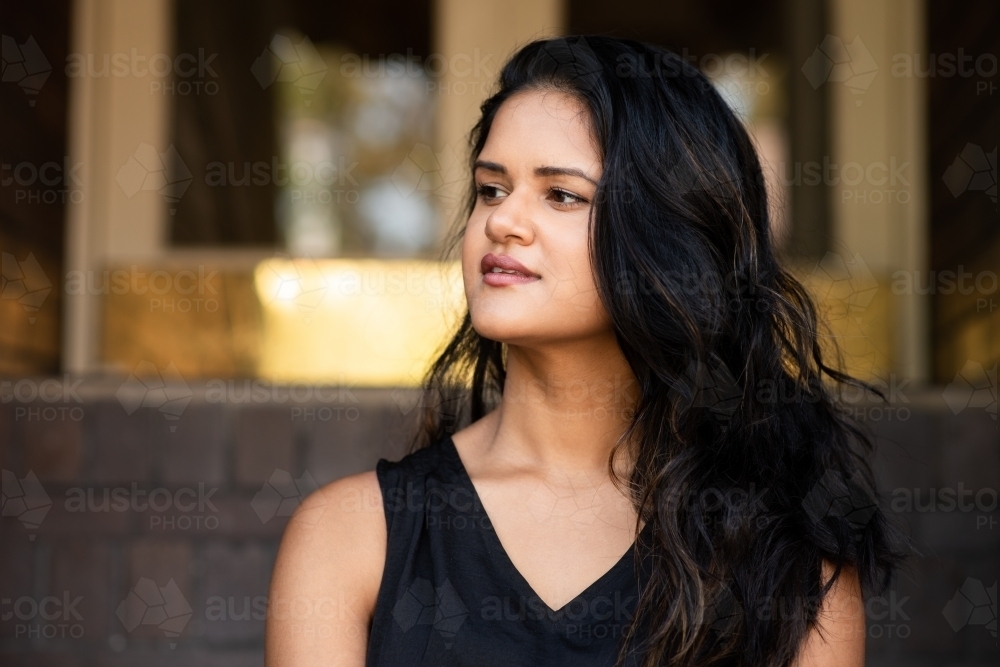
(630, 451)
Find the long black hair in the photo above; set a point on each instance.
(748, 469)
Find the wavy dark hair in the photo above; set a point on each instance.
(736, 397)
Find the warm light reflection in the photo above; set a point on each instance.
(365, 322)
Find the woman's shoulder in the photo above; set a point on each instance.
(336, 521)
(331, 557)
(352, 508)
(340, 532)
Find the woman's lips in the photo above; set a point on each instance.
(499, 279)
(512, 273)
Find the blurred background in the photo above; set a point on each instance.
(220, 226)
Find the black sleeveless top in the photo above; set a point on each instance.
(451, 596)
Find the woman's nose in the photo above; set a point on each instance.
(511, 219)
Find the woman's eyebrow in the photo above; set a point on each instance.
(539, 171)
(564, 171)
(490, 166)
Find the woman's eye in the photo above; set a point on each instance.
(491, 193)
(563, 197)
(488, 192)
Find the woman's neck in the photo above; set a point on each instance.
(564, 406)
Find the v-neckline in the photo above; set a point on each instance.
(498, 547)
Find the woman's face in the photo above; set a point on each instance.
(536, 177)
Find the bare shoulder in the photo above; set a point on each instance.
(343, 508)
(327, 575)
(838, 640)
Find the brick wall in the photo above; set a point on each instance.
(102, 575)
(191, 518)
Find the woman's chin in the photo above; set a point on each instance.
(503, 326)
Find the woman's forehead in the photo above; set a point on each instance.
(542, 127)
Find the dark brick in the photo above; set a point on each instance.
(122, 446)
(934, 582)
(196, 512)
(958, 532)
(264, 443)
(53, 450)
(65, 519)
(83, 567)
(908, 452)
(237, 519)
(970, 449)
(8, 461)
(195, 451)
(182, 655)
(161, 561)
(234, 593)
(16, 571)
(338, 448)
(35, 657)
(877, 656)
